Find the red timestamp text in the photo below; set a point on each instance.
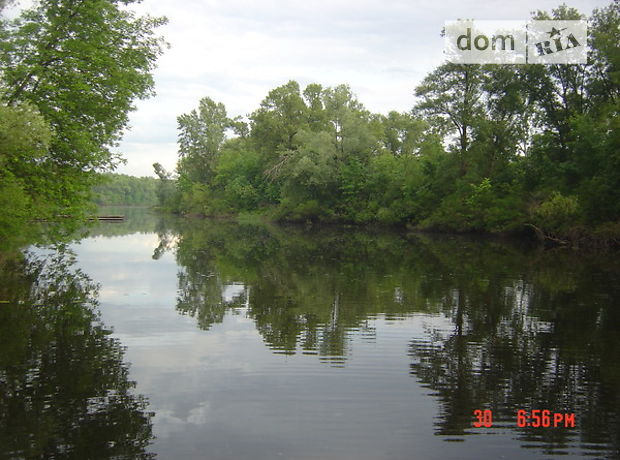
(537, 418)
(484, 418)
(545, 419)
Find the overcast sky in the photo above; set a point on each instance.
(236, 51)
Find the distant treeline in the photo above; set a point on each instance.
(121, 189)
(486, 148)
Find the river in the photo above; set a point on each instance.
(203, 339)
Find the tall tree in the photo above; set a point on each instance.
(165, 188)
(559, 93)
(451, 98)
(348, 119)
(280, 116)
(402, 133)
(201, 135)
(81, 63)
(317, 117)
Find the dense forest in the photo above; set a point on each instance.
(121, 189)
(486, 148)
(69, 73)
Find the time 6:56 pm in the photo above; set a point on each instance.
(545, 419)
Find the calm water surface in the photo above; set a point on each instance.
(216, 340)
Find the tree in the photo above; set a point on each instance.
(517, 137)
(402, 133)
(557, 94)
(239, 178)
(576, 151)
(310, 171)
(24, 142)
(604, 82)
(348, 121)
(596, 144)
(317, 117)
(81, 63)
(451, 100)
(165, 188)
(201, 135)
(280, 116)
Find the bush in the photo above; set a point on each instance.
(305, 211)
(477, 207)
(558, 214)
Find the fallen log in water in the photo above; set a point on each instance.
(99, 218)
(108, 218)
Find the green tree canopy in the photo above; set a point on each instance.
(201, 135)
(81, 63)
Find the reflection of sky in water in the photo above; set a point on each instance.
(224, 394)
(232, 291)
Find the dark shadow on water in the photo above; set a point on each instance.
(64, 388)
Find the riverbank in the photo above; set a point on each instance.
(601, 237)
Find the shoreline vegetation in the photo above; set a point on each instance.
(528, 149)
(70, 73)
(604, 237)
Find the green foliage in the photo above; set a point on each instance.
(121, 189)
(24, 184)
(478, 207)
(14, 203)
(24, 135)
(280, 116)
(168, 195)
(239, 176)
(402, 133)
(69, 73)
(512, 134)
(82, 64)
(302, 211)
(557, 214)
(451, 100)
(201, 134)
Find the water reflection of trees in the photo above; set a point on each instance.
(530, 329)
(544, 335)
(305, 293)
(64, 388)
(308, 291)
